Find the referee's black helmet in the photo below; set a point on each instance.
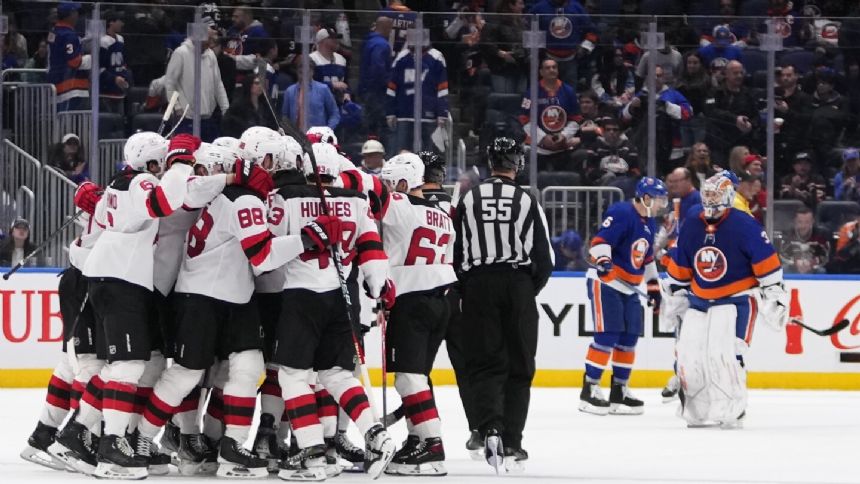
(506, 154)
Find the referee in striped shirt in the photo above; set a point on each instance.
(503, 254)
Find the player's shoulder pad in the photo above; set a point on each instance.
(232, 192)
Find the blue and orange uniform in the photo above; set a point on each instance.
(628, 238)
(722, 261)
(68, 67)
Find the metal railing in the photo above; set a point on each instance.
(34, 114)
(75, 122)
(19, 176)
(577, 208)
(57, 196)
(110, 153)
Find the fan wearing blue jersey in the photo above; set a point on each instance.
(623, 257)
(724, 273)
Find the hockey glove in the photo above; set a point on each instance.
(386, 294)
(774, 306)
(655, 297)
(87, 196)
(321, 233)
(603, 265)
(251, 175)
(182, 148)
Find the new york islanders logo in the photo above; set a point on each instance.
(637, 253)
(553, 118)
(711, 264)
(560, 27)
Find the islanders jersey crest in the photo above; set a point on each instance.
(710, 263)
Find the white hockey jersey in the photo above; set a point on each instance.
(418, 237)
(368, 185)
(129, 213)
(231, 232)
(80, 248)
(359, 243)
(172, 230)
(273, 281)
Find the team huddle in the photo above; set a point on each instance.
(238, 259)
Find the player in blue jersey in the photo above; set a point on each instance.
(724, 273)
(623, 257)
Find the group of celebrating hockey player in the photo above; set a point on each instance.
(240, 259)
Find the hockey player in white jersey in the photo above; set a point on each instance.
(120, 273)
(418, 237)
(314, 331)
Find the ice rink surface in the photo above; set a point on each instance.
(789, 437)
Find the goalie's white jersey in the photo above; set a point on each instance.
(293, 207)
(129, 213)
(230, 241)
(419, 239)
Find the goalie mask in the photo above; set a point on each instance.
(142, 148)
(265, 147)
(434, 167)
(405, 166)
(505, 154)
(718, 194)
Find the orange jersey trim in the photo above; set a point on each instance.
(766, 266)
(72, 84)
(623, 357)
(598, 308)
(599, 358)
(724, 291)
(679, 273)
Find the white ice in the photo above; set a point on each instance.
(789, 436)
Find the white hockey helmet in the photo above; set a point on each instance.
(296, 157)
(329, 161)
(718, 194)
(142, 148)
(216, 159)
(326, 134)
(227, 142)
(405, 166)
(259, 142)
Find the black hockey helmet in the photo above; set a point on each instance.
(434, 167)
(506, 154)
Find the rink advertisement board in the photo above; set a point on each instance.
(32, 331)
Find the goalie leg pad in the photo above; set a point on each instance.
(713, 380)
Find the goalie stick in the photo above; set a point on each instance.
(823, 332)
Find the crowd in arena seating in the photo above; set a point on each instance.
(710, 78)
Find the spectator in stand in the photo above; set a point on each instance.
(248, 109)
(731, 114)
(747, 197)
(846, 183)
(38, 61)
(846, 258)
(699, 164)
(322, 108)
(788, 21)
(8, 59)
(115, 78)
(502, 48)
(737, 157)
(852, 78)
(68, 68)
(803, 184)
(226, 66)
(679, 183)
(180, 78)
(721, 47)
(611, 156)
(589, 118)
(15, 247)
(804, 248)
(568, 252)
(330, 66)
(673, 110)
(695, 85)
(754, 165)
(372, 157)
(399, 112)
(794, 107)
(570, 35)
(556, 125)
(669, 58)
(614, 82)
(739, 27)
(243, 41)
(67, 156)
(830, 114)
(16, 44)
(374, 74)
(402, 19)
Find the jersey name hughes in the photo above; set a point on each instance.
(312, 209)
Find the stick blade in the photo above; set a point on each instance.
(836, 328)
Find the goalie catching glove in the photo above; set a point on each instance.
(251, 175)
(319, 234)
(774, 306)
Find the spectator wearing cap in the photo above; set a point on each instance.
(374, 74)
(115, 78)
(244, 41)
(803, 184)
(372, 156)
(721, 47)
(570, 35)
(611, 155)
(68, 67)
(846, 183)
(179, 78)
(830, 114)
(67, 156)
(794, 108)
(14, 248)
(330, 66)
(322, 108)
(803, 249)
(694, 84)
(747, 195)
(568, 252)
(249, 109)
(731, 114)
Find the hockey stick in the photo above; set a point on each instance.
(261, 76)
(168, 112)
(181, 118)
(382, 322)
(42, 246)
(823, 332)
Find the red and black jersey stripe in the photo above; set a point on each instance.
(353, 402)
(370, 248)
(157, 204)
(326, 406)
(239, 410)
(59, 393)
(257, 247)
(302, 411)
(119, 396)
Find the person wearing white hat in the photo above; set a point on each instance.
(372, 156)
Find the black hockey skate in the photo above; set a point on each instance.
(37, 448)
(515, 459)
(170, 439)
(157, 463)
(427, 458)
(193, 449)
(622, 402)
(210, 461)
(349, 452)
(494, 451)
(74, 446)
(332, 465)
(117, 460)
(591, 399)
(408, 446)
(266, 441)
(378, 451)
(304, 464)
(670, 391)
(237, 462)
(475, 445)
